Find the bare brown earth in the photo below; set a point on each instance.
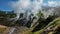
(54, 29)
(18, 30)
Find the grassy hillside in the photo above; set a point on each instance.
(55, 21)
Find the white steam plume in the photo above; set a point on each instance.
(21, 6)
(29, 6)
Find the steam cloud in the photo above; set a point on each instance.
(27, 7)
(30, 6)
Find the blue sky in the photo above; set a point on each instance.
(4, 4)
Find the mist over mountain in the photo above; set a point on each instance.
(51, 10)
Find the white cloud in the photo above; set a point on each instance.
(52, 3)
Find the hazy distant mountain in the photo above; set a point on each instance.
(6, 12)
(53, 11)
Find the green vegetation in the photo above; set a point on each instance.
(55, 21)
